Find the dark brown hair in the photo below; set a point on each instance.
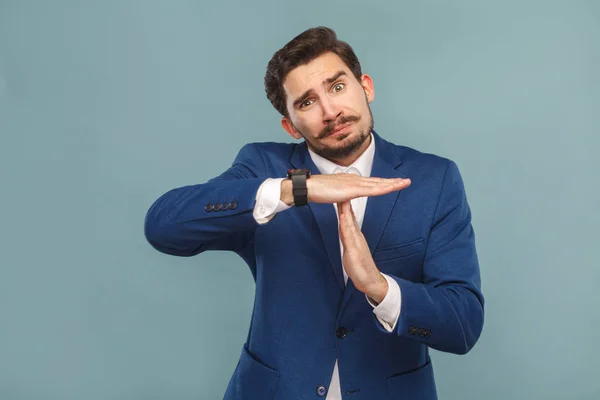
(301, 50)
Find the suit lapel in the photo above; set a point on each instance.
(379, 208)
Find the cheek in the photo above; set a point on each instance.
(362, 100)
(310, 122)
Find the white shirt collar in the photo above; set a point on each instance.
(362, 165)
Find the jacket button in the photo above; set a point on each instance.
(321, 391)
(208, 208)
(411, 330)
(232, 205)
(225, 206)
(217, 207)
(341, 332)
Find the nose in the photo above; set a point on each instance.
(331, 111)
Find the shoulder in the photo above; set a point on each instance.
(418, 160)
(427, 171)
(270, 154)
(270, 150)
(271, 158)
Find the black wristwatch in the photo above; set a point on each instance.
(299, 190)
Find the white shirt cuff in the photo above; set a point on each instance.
(388, 311)
(268, 201)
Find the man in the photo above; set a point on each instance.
(362, 251)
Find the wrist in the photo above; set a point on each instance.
(286, 192)
(379, 290)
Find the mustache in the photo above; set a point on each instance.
(333, 126)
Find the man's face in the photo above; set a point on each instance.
(329, 108)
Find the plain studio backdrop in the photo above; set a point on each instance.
(104, 106)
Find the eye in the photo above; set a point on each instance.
(338, 87)
(306, 103)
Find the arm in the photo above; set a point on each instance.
(184, 221)
(446, 311)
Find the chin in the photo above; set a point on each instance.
(340, 138)
(342, 146)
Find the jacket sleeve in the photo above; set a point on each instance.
(216, 215)
(446, 310)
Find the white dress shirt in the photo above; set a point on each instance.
(268, 204)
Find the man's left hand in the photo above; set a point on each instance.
(357, 260)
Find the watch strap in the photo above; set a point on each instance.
(299, 190)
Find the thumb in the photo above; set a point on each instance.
(343, 208)
(345, 214)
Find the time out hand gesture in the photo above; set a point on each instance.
(357, 260)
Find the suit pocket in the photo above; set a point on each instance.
(418, 384)
(399, 251)
(252, 379)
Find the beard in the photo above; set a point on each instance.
(351, 145)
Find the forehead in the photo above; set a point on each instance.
(312, 75)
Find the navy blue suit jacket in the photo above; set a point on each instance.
(420, 236)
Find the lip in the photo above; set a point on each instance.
(341, 130)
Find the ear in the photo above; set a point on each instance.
(367, 83)
(290, 128)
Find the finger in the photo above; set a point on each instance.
(343, 213)
(385, 188)
(342, 225)
(372, 181)
(348, 211)
(340, 211)
(344, 210)
(348, 224)
(397, 182)
(352, 216)
(369, 183)
(397, 185)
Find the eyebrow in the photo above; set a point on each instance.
(327, 81)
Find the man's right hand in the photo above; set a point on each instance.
(337, 188)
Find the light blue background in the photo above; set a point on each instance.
(106, 105)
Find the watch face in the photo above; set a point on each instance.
(299, 172)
